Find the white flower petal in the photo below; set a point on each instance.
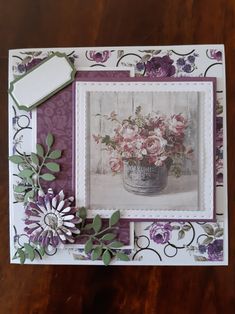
(71, 199)
(60, 206)
(69, 224)
(61, 195)
(43, 209)
(66, 210)
(54, 202)
(33, 225)
(71, 240)
(66, 231)
(68, 217)
(48, 205)
(62, 236)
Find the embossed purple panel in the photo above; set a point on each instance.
(56, 115)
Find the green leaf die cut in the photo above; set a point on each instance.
(55, 154)
(108, 237)
(34, 159)
(29, 250)
(106, 257)
(16, 159)
(88, 246)
(41, 251)
(82, 213)
(96, 253)
(122, 257)
(21, 254)
(116, 244)
(40, 150)
(26, 173)
(19, 188)
(97, 223)
(88, 227)
(49, 140)
(47, 177)
(114, 219)
(53, 166)
(29, 195)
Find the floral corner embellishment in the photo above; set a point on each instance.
(51, 220)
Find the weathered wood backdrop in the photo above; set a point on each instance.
(126, 290)
(125, 104)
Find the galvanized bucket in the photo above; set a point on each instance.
(144, 180)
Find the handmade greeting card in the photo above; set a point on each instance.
(118, 156)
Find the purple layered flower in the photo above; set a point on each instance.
(187, 68)
(191, 59)
(36, 61)
(160, 67)
(160, 232)
(215, 250)
(51, 220)
(99, 56)
(180, 62)
(215, 54)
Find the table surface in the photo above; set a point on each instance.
(93, 289)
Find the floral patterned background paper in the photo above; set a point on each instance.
(158, 243)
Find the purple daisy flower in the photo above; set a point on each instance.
(51, 220)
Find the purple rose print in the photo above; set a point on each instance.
(33, 63)
(160, 232)
(215, 250)
(215, 54)
(160, 67)
(98, 56)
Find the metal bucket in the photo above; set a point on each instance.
(144, 180)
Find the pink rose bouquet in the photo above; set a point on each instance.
(145, 139)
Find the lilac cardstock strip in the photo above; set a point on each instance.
(56, 115)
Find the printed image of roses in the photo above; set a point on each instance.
(146, 140)
(160, 232)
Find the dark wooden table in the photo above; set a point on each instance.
(127, 290)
